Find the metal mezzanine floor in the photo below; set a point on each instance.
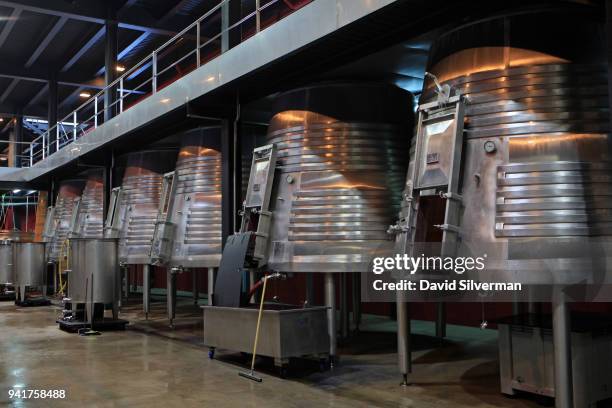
(262, 52)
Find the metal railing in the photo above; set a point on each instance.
(194, 46)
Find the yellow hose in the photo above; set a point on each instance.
(64, 249)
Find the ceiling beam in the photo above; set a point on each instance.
(90, 12)
(86, 47)
(40, 73)
(9, 89)
(45, 42)
(8, 27)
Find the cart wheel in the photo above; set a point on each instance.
(211, 353)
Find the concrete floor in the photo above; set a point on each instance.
(149, 365)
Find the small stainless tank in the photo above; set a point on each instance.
(342, 160)
(93, 271)
(7, 274)
(30, 267)
(67, 196)
(138, 207)
(197, 201)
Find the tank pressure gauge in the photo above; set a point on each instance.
(490, 147)
(290, 179)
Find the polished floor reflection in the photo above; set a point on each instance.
(149, 365)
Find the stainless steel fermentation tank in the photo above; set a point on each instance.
(536, 156)
(138, 203)
(61, 218)
(188, 231)
(93, 277)
(7, 271)
(133, 207)
(30, 269)
(342, 160)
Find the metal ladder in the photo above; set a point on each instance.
(434, 171)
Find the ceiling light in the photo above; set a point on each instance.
(120, 68)
(15, 191)
(3, 158)
(1, 119)
(84, 94)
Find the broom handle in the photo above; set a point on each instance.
(261, 303)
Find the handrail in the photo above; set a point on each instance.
(41, 147)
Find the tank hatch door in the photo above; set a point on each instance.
(437, 164)
(163, 236)
(49, 228)
(247, 249)
(112, 224)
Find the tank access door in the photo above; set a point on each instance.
(248, 248)
(112, 223)
(163, 236)
(434, 170)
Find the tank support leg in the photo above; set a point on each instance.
(126, 283)
(356, 300)
(330, 302)
(196, 289)
(146, 289)
(564, 397)
(211, 285)
(404, 352)
(171, 295)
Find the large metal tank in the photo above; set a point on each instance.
(342, 155)
(30, 267)
(197, 201)
(67, 197)
(94, 271)
(90, 220)
(7, 275)
(537, 96)
(138, 207)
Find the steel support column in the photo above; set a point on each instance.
(15, 139)
(231, 172)
(110, 66)
(52, 105)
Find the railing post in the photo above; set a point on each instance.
(57, 136)
(44, 144)
(74, 126)
(198, 43)
(257, 16)
(225, 23)
(121, 95)
(31, 153)
(154, 69)
(96, 111)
